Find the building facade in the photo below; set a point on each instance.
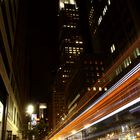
(114, 29)
(71, 46)
(13, 88)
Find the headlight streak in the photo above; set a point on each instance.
(115, 86)
(125, 78)
(109, 115)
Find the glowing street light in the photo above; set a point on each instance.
(30, 109)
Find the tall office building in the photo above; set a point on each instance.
(90, 69)
(114, 26)
(71, 46)
(13, 72)
(115, 33)
(71, 42)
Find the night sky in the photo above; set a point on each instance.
(42, 38)
(41, 27)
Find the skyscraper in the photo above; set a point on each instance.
(71, 46)
(114, 28)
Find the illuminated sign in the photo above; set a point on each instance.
(34, 119)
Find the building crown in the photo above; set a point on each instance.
(63, 2)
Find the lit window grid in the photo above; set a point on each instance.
(73, 50)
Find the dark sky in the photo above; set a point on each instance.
(42, 40)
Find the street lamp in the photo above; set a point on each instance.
(30, 110)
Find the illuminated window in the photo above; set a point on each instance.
(88, 88)
(112, 48)
(136, 52)
(77, 42)
(71, 62)
(94, 88)
(104, 11)
(118, 70)
(99, 20)
(98, 74)
(105, 88)
(61, 4)
(100, 89)
(127, 62)
(109, 2)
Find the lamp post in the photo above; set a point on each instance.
(30, 110)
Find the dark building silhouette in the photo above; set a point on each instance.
(79, 68)
(71, 47)
(14, 86)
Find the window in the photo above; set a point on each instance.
(99, 20)
(112, 48)
(104, 11)
(100, 89)
(94, 88)
(136, 52)
(88, 88)
(105, 88)
(98, 74)
(109, 2)
(127, 62)
(118, 70)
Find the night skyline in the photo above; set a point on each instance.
(72, 66)
(42, 39)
